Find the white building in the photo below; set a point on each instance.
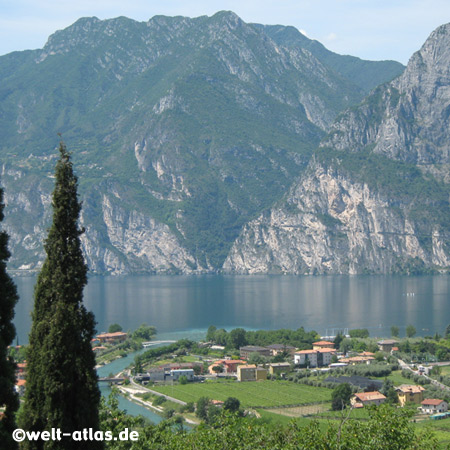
(314, 358)
(434, 405)
(177, 373)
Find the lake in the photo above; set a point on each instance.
(184, 306)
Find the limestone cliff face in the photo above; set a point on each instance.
(330, 223)
(406, 119)
(137, 243)
(375, 197)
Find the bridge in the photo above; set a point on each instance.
(151, 343)
(113, 380)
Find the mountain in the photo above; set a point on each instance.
(365, 74)
(375, 195)
(182, 131)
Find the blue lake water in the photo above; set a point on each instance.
(184, 306)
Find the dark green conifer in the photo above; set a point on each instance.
(62, 390)
(8, 299)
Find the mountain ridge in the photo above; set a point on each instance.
(183, 130)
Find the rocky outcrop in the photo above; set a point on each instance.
(384, 209)
(406, 119)
(331, 224)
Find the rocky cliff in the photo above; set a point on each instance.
(182, 130)
(375, 196)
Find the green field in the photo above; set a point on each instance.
(440, 428)
(250, 394)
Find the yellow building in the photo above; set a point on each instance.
(278, 368)
(409, 394)
(260, 374)
(246, 372)
(251, 373)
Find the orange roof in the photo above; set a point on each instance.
(395, 349)
(366, 354)
(22, 365)
(326, 350)
(432, 401)
(249, 366)
(111, 335)
(323, 343)
(405, 388)
(367, 396)
(357, 359)
(306, 352)
(21, 382)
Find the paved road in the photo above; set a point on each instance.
(146, 389)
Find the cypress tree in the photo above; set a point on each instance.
(8, 299)
(62, 390)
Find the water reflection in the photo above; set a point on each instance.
(186, 303)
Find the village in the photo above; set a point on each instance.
(279, 382)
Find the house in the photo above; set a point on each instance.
(409, 394)
(217, 403)
(248, 350)
(112, 338)
(175, 374)
(367, 398)
(20, 387)
(434, 405)
(277, 349)
(314, 358)
(21, 370)
(323, 344)
(251, 373)
(246, 372)
(306, 358)
(279, 368)
(99, 349)
(157, 374)
(387, 345)
(357, 360)
(260, 374)
(229, 365)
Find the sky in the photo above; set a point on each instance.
(369, 29)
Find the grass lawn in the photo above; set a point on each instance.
(250, 394)
(397, 378)
(440, 428)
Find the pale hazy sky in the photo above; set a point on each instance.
(370, 29)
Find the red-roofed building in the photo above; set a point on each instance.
(20, 387)
(434, 405)
(314, 358)
(112, 338)
(368, 398)
(322, 344)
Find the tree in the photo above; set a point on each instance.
(8, 299)
(447, 332)
(201, 410)
(62, 390)
(340, 397)
(218, 368)
(210, 333)
(410, 331)
(144, 332)
(338, 339)
(114, 328)
(359, 333)
(394, 331)
(232, 404)
(237, 338)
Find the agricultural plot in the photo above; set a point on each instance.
(250, 394)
